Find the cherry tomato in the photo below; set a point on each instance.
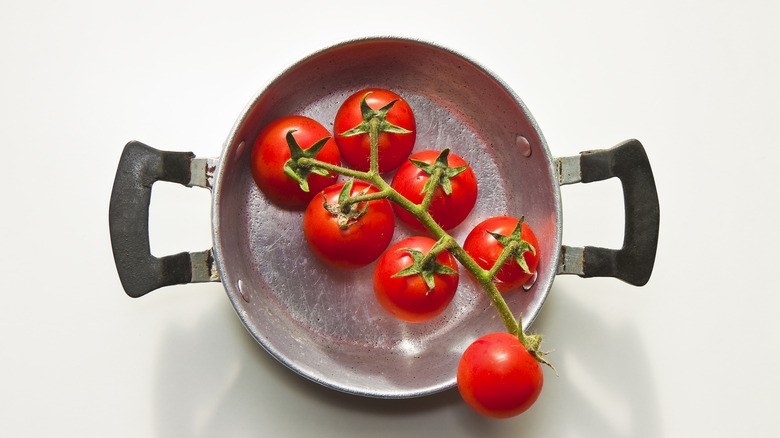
(498, 377)
(271, 152)
(394, 147)
(348, 239)
(485, 248)
(447, 210)
(409, 297)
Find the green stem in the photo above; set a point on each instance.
(485, 280)
(384, 194)
(530, 342)
(373, 135)
(502, 258)
(312, 162)
(443, 244)
(426, 202)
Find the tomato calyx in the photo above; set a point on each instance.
(445, 172)
(301, 173)
(346, 209)
(532, 344)
(381, 115)
(514, 246)
(426, 265)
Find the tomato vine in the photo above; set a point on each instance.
(294, 158)
(445, 242)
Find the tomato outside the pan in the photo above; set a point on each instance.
(485, 248)
(448, 210)
(498, 377)
(355, 242)
(410, 298)
(394, 148)
(271, 152)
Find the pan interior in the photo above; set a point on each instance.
(325, 323)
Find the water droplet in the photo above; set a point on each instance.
(530, 283)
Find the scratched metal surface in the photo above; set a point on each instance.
(326, 324)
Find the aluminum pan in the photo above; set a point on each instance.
(326, 324)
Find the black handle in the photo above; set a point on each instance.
(140, 166)
(633, 263)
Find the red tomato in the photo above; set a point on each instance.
(410, 298)
(394, 147)
(361, 241)
(485, 249)
(447, 210)
(271, 152)
(498, 377)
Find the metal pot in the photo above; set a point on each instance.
(325, 324)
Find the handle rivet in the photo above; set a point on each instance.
(523, 145)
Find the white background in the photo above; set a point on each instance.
(693, 353)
